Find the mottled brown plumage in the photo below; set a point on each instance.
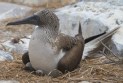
(74, 48)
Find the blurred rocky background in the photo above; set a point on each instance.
(42, 3)
(95, 16)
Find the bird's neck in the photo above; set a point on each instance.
(46, 33)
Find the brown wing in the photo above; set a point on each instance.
(73, 46)
(66, 42)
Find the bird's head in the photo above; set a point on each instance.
(41, 18)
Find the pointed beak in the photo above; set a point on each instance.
(35, 20)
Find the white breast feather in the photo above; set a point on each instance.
(42, 55)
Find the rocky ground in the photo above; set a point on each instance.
(91, 70)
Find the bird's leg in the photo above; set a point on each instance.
(39, 72)
(55, 73)
(26, 61)
(29, 67)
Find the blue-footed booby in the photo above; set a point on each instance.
(49, 49)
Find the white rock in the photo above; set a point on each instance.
(8, 81)
(84, 82)
(70, 18)
(35, 2)
(116, 2)
(95, 18)
(5, 56)
(9, 10)
(20, 47)
(117, 42)
(44, 2)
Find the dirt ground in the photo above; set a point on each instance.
(93, 70)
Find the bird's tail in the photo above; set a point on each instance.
(90, 38)
(94, 37)
(79, 35)
(104, 37)
(95, 45)
(79, 30)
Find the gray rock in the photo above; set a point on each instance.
(69, 23)
(44, 2)
(5, 56)
(20, 47)
(116, 2)
(95, 18)
(84, 82)
(35, 2)
(117, 43)
(8, 81)
(9, 10)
